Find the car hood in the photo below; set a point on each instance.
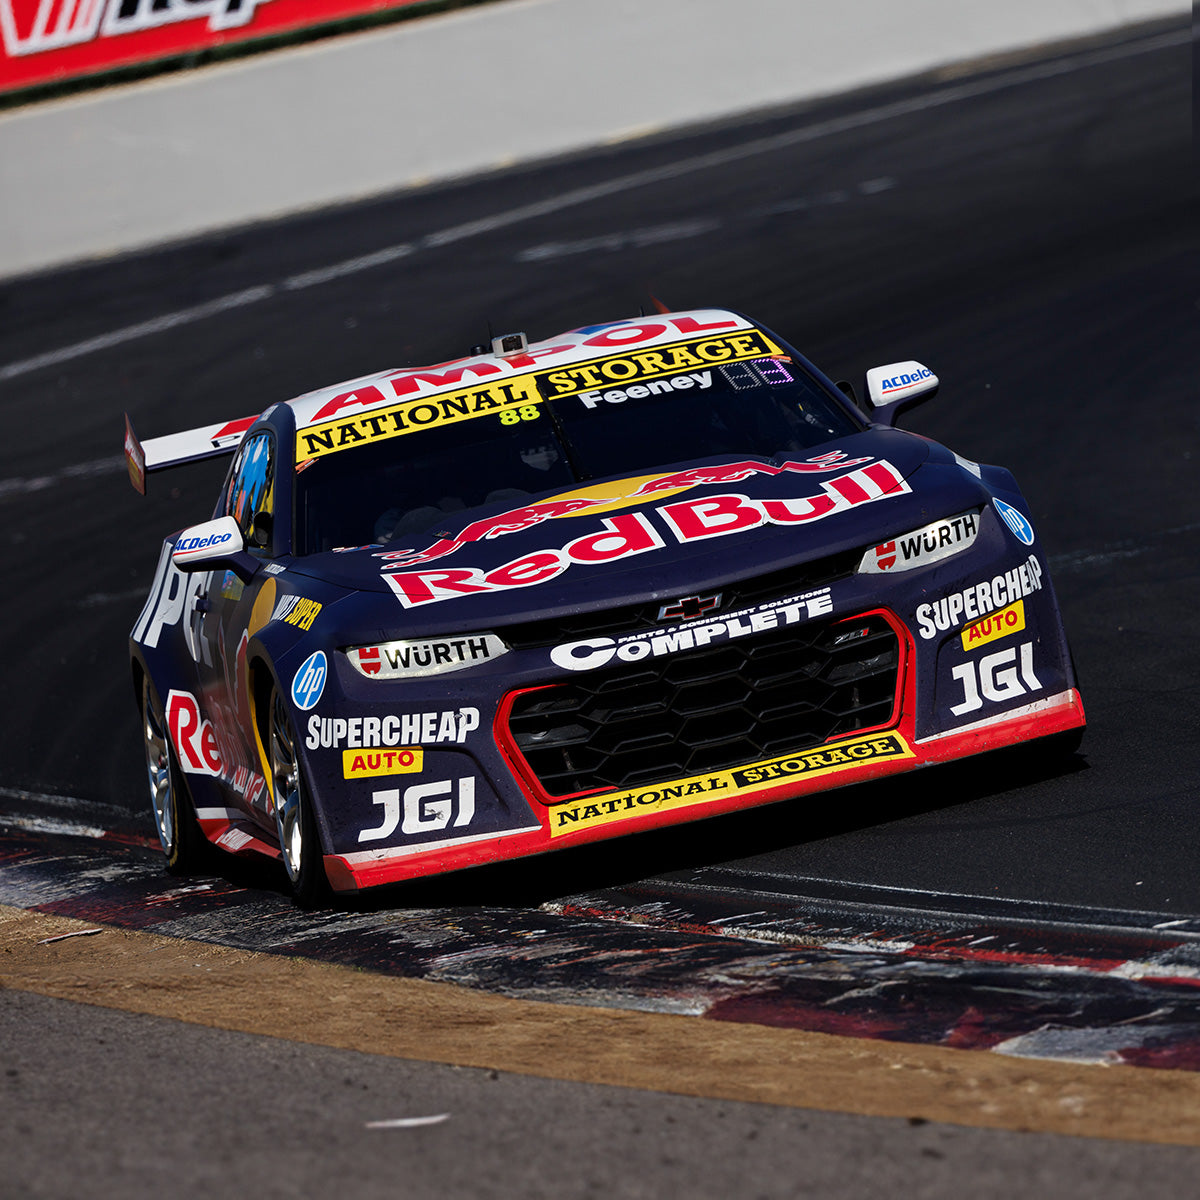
(657, 535)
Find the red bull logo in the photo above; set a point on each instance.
(633, 533)
(605, 499)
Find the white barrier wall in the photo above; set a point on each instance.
(351, 117)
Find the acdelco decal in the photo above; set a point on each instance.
(364, 764)
(589, 654)
(413, 416)
(624, 493)
(901, 383)
(369, 733)
(188, 545)
(977, 601)
(630, 534)
(999, 624)
(702, 789)
(620, 370)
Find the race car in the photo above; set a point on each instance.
(645, 572)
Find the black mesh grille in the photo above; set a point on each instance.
(711, 709)
(742, 594)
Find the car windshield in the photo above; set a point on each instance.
(392, 488)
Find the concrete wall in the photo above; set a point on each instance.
(129, 167)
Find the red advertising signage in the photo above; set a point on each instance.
(46, 41)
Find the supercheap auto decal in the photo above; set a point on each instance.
(591, 811)
(377, 419)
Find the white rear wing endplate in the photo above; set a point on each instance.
(175, 449)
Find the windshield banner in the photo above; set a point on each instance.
(51, 41)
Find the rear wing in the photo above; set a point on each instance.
(157, 454)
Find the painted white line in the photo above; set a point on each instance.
(351, 266)
(106, 341)
(626, 239)
(585, 195)
(884, 890)
(100, 599)
(409, 1122)
(1080, 560)
(50, 825)
(654, 235)
(39, 483)
(72, 804)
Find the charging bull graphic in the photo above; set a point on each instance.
(518, 519)
(633, 533)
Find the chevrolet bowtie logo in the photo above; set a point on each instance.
(689, 608)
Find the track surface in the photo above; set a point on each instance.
(1036, 244)
(95, 1099)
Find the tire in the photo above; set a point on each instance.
(179, 832)
(295, 823)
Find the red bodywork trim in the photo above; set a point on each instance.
(79, 41)
(1055, 714)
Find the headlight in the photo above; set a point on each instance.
(437, 656)
(923, 546)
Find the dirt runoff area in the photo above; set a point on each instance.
(359, 1010)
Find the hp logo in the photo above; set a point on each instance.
(1022, 530)
(309, 681)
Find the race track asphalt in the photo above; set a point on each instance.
(1031, 235)
(1037, 244)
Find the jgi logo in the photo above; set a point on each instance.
(424, 808)
(997, 678)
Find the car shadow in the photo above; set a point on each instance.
(621, 862)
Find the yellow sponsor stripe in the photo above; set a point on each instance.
(995, 625)
(366, 764)
(591, 811)
(619, 370)
(431, 412)
(448, 408)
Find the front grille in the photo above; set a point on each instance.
(707, 710)
(743, 593)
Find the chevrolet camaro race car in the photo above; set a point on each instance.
(642, 573)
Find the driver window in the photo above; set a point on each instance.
(251, 499)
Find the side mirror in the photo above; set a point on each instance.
(899, 386)
(214, 544)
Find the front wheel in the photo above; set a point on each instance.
(299, 841)
(178, 830)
